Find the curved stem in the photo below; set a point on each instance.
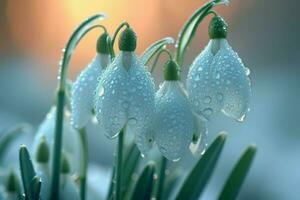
(161, 180)
(83, 163)
(60, 103)
(158, 56)
(117, 31)
(118, 189)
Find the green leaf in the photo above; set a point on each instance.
(35, 188)
(131, 162)
(75, 38)
(9, 136)
(188, 31)
(154, 48)
(144, 185)
(199, 176)
(27, 171)
(238, 175)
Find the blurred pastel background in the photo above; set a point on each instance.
(264, 33)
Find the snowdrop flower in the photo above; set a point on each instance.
(12, 187)
(174, 119)
(86, 83)
(42, 156)
(125, 94)
(218, 80)
(71, 140)
(68, 188)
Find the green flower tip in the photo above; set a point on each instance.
(102, 44)
(42, 153)
(217, 28)
(65, 166)
(127, 41)
(171, 71)
(12, 183)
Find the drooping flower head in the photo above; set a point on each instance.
(173, 122)
(83, 89)
(125, 93)
(218, 80)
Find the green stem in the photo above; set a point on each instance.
(118, 189)
(57, 144)
(158, 56)
(67, 52)
(117, 31)
(161, 180)
(83, 163)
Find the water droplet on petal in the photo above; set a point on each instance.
(101, 91)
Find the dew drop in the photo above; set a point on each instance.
(242, 118)
(101, 91)
(207, 100)
(208, 111)
(220, 97)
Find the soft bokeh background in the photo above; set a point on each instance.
(265, 34)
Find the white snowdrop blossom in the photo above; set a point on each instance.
(125, 95)
(71, 142)
(173, 125)
(83, 90)
(218, 81)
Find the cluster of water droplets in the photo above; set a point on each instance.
(125, 95)
(83, 91)
(218, 81)
(173, 125)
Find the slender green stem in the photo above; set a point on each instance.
(161, 180)
(117, 31)
(158, 56)
(67, 52)
(118, 188)
(57, 144)
(83, 163)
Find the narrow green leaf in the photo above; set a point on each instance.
(35, 188)
(131, 162)
(189, 29)
(154, 48)
(199, 176)
(10, 135)
(75, 38)
(144, 185)
(238, 175)
(27, 170)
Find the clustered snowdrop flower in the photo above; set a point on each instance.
(218, 80)
(71, 141)
(125, 93)
(86, 83)
(173, 118)
(67, 184)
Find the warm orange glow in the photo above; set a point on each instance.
(41, 28)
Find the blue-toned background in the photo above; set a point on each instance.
(264, 33)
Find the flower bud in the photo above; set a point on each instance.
(42, 153)
(217, 28)
(171, 72)
(127, 41)
(102, 44)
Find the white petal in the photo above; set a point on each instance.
(125, 95)
(141, 98)
(173, 120)
(202, 81)
(235, 83)
(68, 189)
(144, 141)
(42, 171)
(200, 131)
(110, 99)
(71, 142)
(217, 81)
(83, 91)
